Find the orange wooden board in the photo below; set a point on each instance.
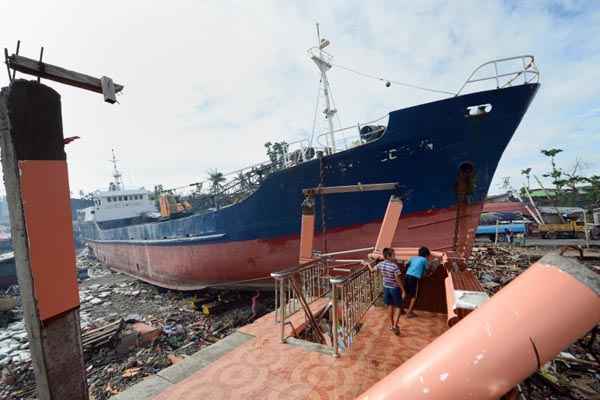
(45, 195)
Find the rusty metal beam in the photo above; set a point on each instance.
(52, 72)
(372, 187)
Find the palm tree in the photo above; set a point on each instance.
(216, 178)
(527, 173)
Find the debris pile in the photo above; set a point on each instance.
(495, 267)
(130, 329)
(574, 374)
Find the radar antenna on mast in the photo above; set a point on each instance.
(116, 184)
(323, 61)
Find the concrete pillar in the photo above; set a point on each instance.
(37, 190)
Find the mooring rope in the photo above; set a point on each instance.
(410, 85)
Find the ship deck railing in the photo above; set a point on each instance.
(504, 72)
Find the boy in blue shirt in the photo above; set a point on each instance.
(416, 268)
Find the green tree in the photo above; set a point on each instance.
(594, 192)
(555, 174)
(216, 179)
(277, 152)
(244, 182)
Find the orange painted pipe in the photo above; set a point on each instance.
(494, 348)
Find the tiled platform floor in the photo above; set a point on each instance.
(265, 368)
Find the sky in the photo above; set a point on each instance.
(207, 83)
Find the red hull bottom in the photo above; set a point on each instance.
(244, 263)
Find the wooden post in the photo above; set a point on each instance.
(35, 176)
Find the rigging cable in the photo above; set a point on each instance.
(394, 82)
(314, 127)
(337, 114)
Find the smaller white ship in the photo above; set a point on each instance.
(119, 206)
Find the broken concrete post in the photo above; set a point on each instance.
(37, 190)
(497, 346)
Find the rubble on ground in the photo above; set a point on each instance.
(130, 329)
(575, 374)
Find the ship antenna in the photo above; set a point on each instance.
(116, 174)
(323, 61)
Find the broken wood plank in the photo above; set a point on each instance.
(58, 74)
(590, 364)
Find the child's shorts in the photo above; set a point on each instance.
(392, 297)
(411, 284)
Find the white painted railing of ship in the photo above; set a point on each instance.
(348, 137)
(525, 69)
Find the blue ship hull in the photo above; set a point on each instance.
(423, 149)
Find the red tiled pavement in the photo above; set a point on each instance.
(265, 368)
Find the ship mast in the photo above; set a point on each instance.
(117, 184)
(323, 61)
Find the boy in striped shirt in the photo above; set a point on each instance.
(393, 289)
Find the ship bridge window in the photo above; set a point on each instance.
(108, 199)
(120, 198)
(126, 198)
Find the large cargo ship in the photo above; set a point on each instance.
(442, 154)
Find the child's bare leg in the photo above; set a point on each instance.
(410, 313)
(397, 324)
(391, 307)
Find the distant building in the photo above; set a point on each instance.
(568, 198)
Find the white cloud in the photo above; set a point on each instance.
(207, 83)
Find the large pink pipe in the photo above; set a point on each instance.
(553, 303)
